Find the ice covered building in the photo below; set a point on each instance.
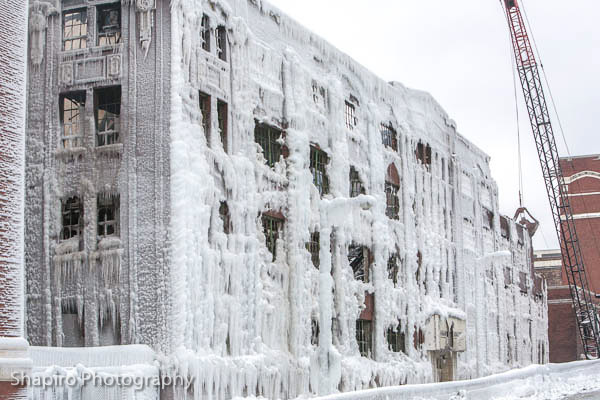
(211, 179)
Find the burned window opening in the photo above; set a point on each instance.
(423, 154)
(222, 114)
(222, 43)
(504, 227)
(72, 110)
(225, 217)
(269, 139)
(205, 106)
(314, 247)
(107, 113)
(75, 29)
(109, 24)
(350, 114)
(364, 336)
(389, 137)
(392, 268)
(396, 339)
(272, 228)
(359, 258)
(356, 185)
(72, 218)
(205, 33)
(108, 215)
(318, 163)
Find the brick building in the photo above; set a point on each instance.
(582, 174)
(13, 47)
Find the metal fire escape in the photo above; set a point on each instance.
(539, 116)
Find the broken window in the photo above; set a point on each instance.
(318, 162)
(364, 336)
(359, 258)
(504, 228)
(222, 116)
(205, 33)
(268, 138)
(392, 267)
(225, 217)
(389, 136)
(108, 215)
(222, 43)
(109, 24)
(72, 218)
(392, 186)
(72, 110)
(204, 100)
(72, 326)
(356, 186)
(108, 111)
(350, 113)
(488, 219)
(314, 337)
(423, 154)
(75, 29)
(396, 339)
(272, 228)
(314, 246)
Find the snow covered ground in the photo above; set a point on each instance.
(577, 380)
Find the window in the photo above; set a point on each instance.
(314, 246)
(108, 110)
(350, 114)
(523, 282)
(356, 186)
(392, 267)
(75, 29)
(222, 43)
(318, 162)
(205, 33)
(72, 326)
(359, 258)
(318, 94)
(392, 186)
(423, 154)
(222, 116)
(504, 228)
(72, 218)
(109, 24)
(108, 215)
(314, 337)
(225, 217)
(520, 234)
(205, 111)
(419, 265)
(364, 337)
(72, 109)
(396, 339)
(269, 140)
(389, 136)
(488, 219)
(507, 277)
(272, 228)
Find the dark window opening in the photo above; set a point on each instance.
(272, 228)
(72, 324)
(520, 234)
(318, 94)
(423, 154)
(359, 258)
(364, 336)
(108, 215)
(523, 282)
(204, 100)
(222, 116)
(314, 336)
(356, 185)
(109, 24)
(72, 110)
(350, 114)
(205, 33)
(396, 339)
(222, 43)
(504, 228)
(72, 218)
(269, 139)
(392, 268)
(488, 219)
(225, 217)
(314, 247)
(318, 163)
(392, 186)
(389, 136)
(419, 265)
(107, 113)
(418, 338)
(75, 29)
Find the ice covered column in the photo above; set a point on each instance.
(13, 47)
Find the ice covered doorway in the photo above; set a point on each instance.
(444, 338)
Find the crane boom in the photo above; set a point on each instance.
(539, 116)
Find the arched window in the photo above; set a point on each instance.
(392, 186)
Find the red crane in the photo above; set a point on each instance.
(585, 313)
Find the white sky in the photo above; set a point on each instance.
(459, 51)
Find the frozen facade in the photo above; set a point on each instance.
(213, 180)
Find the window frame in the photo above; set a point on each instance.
(221, 41)
(116, 33)
(74, 114)
(222, 117)
(205, 35)
(82, 38)
(107, 203)
(268, 138)
(364, 337)
(356, 185)
(318, 167)
(272, 229)
(69, 208)
(396, 339)
(355, 257)
(313, 246)
(350, 115)
(205, 105)
(389, 136)
(109, 136)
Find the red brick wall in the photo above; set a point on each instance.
(9, 391)
(562, 333)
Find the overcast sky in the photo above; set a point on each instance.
(459, 51)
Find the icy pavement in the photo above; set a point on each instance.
(578, 380)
